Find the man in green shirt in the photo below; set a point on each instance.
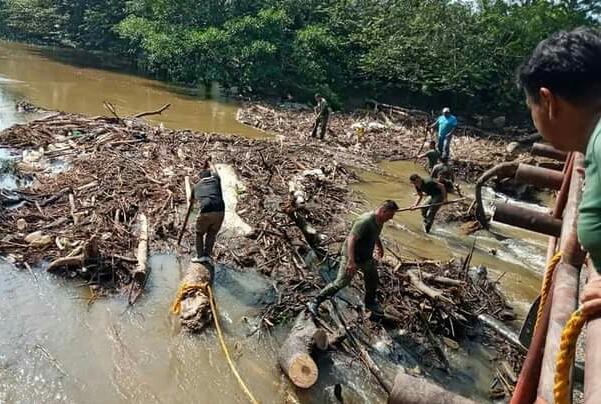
(436, 192)
(562, 84)
(322, 110)
(358, 252)
(433, 155)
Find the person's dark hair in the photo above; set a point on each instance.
(432, 143)
(205, 173)
(414, 177)
(390, 205)
(568, 64)
(317, 95)
(444, 159)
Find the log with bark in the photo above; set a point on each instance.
(192, 303)
(295, 354)
(413, 390)
(139, 273)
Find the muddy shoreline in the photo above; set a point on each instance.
(120, 167)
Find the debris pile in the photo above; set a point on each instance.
(388, 132)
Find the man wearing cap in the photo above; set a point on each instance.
(446, 124)
(358, 252)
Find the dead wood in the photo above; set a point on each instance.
(295, 353)
(155, 112)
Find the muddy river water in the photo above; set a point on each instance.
(55, 346)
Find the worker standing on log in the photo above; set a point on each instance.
(322, 110)
(446, 124)
(433, 155)
(436, 192)
(562, 83)
(212, 211)
(358, 252)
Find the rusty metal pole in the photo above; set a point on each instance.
(539, 176)
(525, 389)
(527, 219)
(565, 285)
(592, 362)
(545, 150)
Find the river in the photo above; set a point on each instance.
(55, 346)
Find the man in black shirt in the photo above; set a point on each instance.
(436, 192)
(212, 210)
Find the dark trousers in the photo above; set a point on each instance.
(321, 123)
(343, 279)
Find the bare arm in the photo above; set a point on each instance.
(420, 196)
(379, 249)
(351, 242)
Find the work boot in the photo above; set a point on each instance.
(313, 307)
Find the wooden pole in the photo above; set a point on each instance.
(429, 206)
(188, 211)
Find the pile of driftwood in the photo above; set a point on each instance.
(107, 191)
(383, 131)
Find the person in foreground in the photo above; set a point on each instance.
(358, 252)
(562, 83)
(437, 194)
(209, 195)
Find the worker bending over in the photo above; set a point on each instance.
(436, 192)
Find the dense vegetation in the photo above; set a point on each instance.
(435, 50)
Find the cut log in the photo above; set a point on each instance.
(192, 302)
(502, 330)
(432, 293)
(413, 390)
(139, 273)
(295, 354)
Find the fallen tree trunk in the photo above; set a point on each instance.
(192, 302)
(295, 353)
(501, 329)
(413, 390)
(139, 273)
(432, 293)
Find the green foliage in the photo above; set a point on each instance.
(464, 53)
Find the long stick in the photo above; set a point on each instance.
(423, 143)
(431, 205)
(189, 198)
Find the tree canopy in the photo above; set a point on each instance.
(450, 51)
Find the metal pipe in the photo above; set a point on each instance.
(592, 362)
(545, 150)
(565, 285)
(525, 389)
(541, 177)
(527, 219)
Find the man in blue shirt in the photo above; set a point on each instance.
(446, 124)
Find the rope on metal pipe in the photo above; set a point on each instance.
(565, 357)
(546, 286)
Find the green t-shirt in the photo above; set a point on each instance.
(432, 156)
(323, 109)
(367, 230)
(430, 187)
(442, 171)
(589, 218)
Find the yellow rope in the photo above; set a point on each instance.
(546, 287)
(225, 350)
(565, 357)
(183, 291)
